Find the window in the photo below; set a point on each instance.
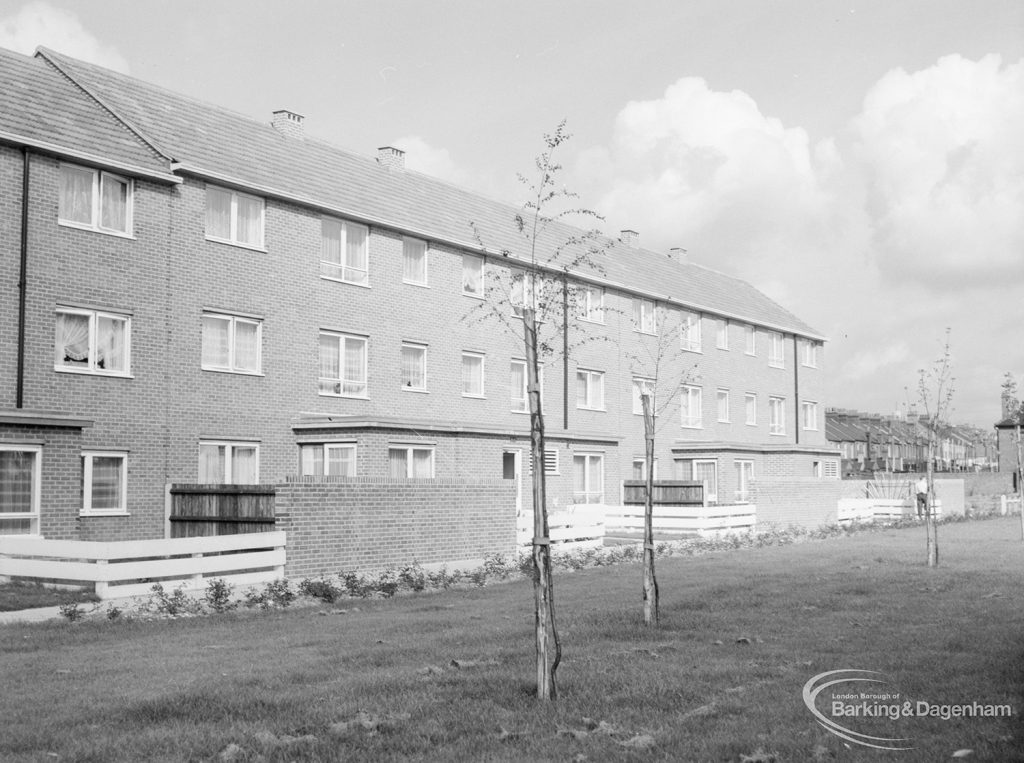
(809, 353)
(776, 415)
(342, 365)
(330, 459)
(744, 474)
(588, 478)
(229, 463)
(520, 402)
(231, 343)
(750, 338)
(809, 415)
(92, 342)
(750, 404)
(409, 462)
(591, 304)
(525, 289)
(722, 335)
(640, 469)
(722, 397)
(414, 261)
(472, 374)
(689, 332)
(20, 475)
(473, 276)
(414, 367)
(776, 350)
(644, 320)
(105, 487)
(690, 404)
(590, 389)
(703, 470)
(344, 252)
(642, 386)
(234, 218)
(94, 200)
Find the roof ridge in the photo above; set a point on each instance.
(54, 59)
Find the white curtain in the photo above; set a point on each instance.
(355, 253)
(243, 465)
(114, 204)
(472, 375)
(517, 382)
(110, 344)
(341, 461)
(247, 347)
(16, 471)
(330, 364)
(412, 367)
(422, 461)
(472, 272)
(250, 220)
(218, 213)
(72, 345)
(330, 243)
(415, 259)
(216, 341)
(398, 462)
(312, 460)
(211, 464)
(76, 195)
(355, 366)
(106, 482)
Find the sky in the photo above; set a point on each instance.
(862, 163)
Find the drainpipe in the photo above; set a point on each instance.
(22, 282)
(796, 384)
(565, 349)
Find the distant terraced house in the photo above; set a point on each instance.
(194, 296)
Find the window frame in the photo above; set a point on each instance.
(644, 313)
(88, 484)
(94, 316)
(407, 242)
(776, 415)
(593, 380)
(722, 334)
(528, 283)
(343, 267)
(809, 353)
(587, 309)
(324, 447)
(341, 381)
(233, 321)
(744, 468)
(638, 385)
(776, 350)
(232, 238)
(482, 357)
(709, 496)
(809, 406)
(95, 223)
(410, 345)
(526, 384)
(588, 493)
(410, 460)
(229, 460)
(750, 404)
(719, 393)
(686, 404)
(750, 340)
(35, 496)
(691, 324)
(483, 275)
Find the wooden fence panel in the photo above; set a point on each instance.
(207, 510)
(666, 493)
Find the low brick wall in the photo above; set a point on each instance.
(948, 488)
(336, 523)
(801, 501)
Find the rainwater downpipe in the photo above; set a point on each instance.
(796, 385)
(22, 282)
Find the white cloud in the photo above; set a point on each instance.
(436, 162)
(40, 24)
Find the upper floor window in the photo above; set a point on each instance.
(750, 404)
(472, 374)
(590, 389)
(344, 251)
(642, 386)
(750, 340)
(329, 459)
(722, 335)
(643, 316)
(414, 366)
(414, 261)
(591, 304)
(342, 364)
(93, 342)
(105, 479)
(776, 350)
(20, 474)
(473, 276)
(776, 415)
(234, 218)
(722, 398)
(525, 287)
(231, 343)
(809, 415)
(809, 353)
(689, 332)
(95, 200)
(691, 405)
(229, 463)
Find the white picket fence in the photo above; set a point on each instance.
(685, 520)
(130, 568)
(880, 509)
(580, 526)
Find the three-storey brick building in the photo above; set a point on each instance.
(190, 295)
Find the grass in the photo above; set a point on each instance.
(16, 595)
(374, 679)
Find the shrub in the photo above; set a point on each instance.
(413, 577)
(218, 596)
(173, 604)
(71, 611)
(356, 585)
(321, 589)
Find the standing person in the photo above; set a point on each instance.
(922, 496)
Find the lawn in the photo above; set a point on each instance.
(449, 676)
(17, 595)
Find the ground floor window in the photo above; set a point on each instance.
(20, 474)
(330, 459)
(744, 474)
(407, 462)
(104, 483)
(588, 478)
(229, 463)
(703, 470)
(640, 469)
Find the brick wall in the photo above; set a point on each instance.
(61, 475)
(801, 501)
(336, 524)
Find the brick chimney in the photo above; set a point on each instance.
(288, 123)
(630, 238)
(391, 158)
(678, 254)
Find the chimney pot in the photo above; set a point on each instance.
(288, 123)
(391, 158)
(630, 238)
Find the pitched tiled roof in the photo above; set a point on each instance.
(219, 144)
(41, 107)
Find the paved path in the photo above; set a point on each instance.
(37, 615)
